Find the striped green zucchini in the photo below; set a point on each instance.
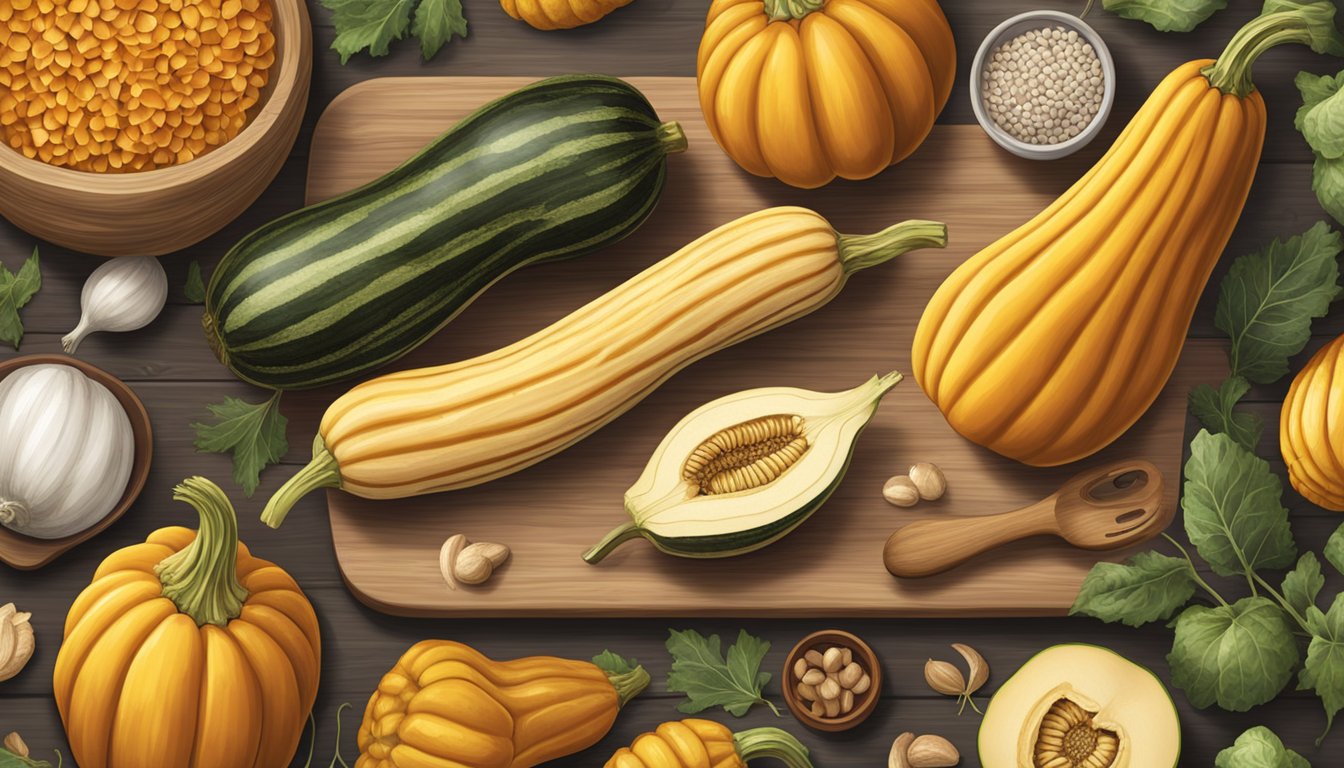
(556, 169)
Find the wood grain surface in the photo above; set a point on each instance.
(831, 566)
(170, 367)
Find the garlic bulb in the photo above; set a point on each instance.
(66, 452)
(123, 294)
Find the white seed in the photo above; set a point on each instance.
(1053, 81)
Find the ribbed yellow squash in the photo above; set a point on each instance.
(560, 14)
(1311, 428)
(1050, 343)
(707, 744)
(458, 425)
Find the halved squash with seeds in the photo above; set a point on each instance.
(1081, 706)
(743, 471)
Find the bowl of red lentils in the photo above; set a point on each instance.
(140, 127)
(1042, 84)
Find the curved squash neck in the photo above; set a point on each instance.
(1311, 24)
(863, 251)
(790, 10)
(771, 743)
(202, 579)
(322, 472)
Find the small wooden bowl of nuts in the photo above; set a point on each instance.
(832, 681)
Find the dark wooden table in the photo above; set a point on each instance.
(170, 367)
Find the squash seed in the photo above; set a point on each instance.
(747, 455)
(1068, 739)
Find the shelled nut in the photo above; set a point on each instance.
(829, 680)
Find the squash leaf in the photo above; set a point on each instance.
(17, 290)
(1236, 656)
(368, 24)
(1259, 748)
(1166, 15)
(614, 664)
(700, 671)
(1151, 586)
(1334, 549)
(1323, 672)
(1327, 181)
(253, 432)
(194, 290)
(1268, 299)
(1233, 512)
(436, 22)
(1215, 409)
(1321, 117)
(1302, 584)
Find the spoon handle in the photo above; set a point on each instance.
(926, 547)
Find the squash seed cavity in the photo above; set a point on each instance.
(1069, 739)
(747, 455)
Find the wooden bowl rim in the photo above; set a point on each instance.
(46, 550)
(293, 37)
(862, 710)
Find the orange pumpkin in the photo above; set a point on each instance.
(188, 651)
(807, 90)
(1311, 428)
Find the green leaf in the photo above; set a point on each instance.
(700, 671)
(614, 664)
(16, 291)
(1215, 409)
(1166, 15)
(253, 432)
(1233, 513)
(1150, 587)
(1323, 672)
(1259, 748)
(436, 22)
(1321, 117)
(368, 24)
(1334, 549)
(1236, 656)
(1327, 181)
(1303, 583)
(194, 290)
(1268, 299)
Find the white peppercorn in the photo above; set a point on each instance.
(1044, 86)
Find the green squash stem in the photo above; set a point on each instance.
(202, 579)
(772, 743)
(322, 472)
(672, 137)
(863, 251)
(630, 684)
(786, 10)
(1311, 24)
(610, 542)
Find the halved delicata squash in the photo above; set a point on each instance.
(743, 471)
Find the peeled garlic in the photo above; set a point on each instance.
(16, 640)
(123, 294)
(464, 563)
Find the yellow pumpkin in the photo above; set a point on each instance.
(807, 90)
(560, 14)
(188, 651)
(444, 705)
(707, 744)
(1311, 428)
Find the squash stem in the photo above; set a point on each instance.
(1311, 24)
(202, 579)
(863, 251)
(630, 684)
(322, 472)
(610, 542)
(772, 743)
(787, 10)
(672, 137)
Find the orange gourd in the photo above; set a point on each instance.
(707, 744)
(188, 651)
(1051, 342)
(807, 90)
(1311, 428)
(560, 14)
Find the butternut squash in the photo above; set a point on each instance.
(1311, 428)
(707, 744)
(1051, 342)
(445, 704)
(458, 425)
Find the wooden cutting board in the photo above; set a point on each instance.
(551, 513)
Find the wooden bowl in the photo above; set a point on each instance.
(26, 552)
(151, 213)
(864, 704)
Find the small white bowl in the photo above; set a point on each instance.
(1007, 31)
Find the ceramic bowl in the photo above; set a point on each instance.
(155, 212)
(864, 704)
(1007, 31)
(25, 552)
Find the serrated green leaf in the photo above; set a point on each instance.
(253, 432)
(1233, 513)
(194, 290)
(1323, 672)
(15, 292)
(1151, 586)
(10, 760)
(1268, 299)
(1259, 747)
(1236, 656)
(614, 664)
(1327, 181)
(1166, 15)
(1216, 410)
(368, 25)
(1302, 584)
(1320, 120)
(700, 671)
(436, 22)
(1334, 549)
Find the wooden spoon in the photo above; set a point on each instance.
(1109, 507)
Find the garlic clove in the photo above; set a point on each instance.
(944, 678)
(452, 547)
(123, 294)
(899, 751)
(929, 480)
(16, 640)
(901, 491)
(932, 751)
(14, 743)
(976, 665)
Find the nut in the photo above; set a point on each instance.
(813, 657)
(899, 749)
(849, 675)
(831, 707)
(830, 661)
(829, 690)
(14, 743)
(807, 692)
(818, 709)
(944, 678)
(846, 702)
(846, 657)
(16, 640)
(814, 677)
(460, 562)
(863, 685)
(901, 491)
(800, 668)
(930, 751)
(929, 480)
(975, 664)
